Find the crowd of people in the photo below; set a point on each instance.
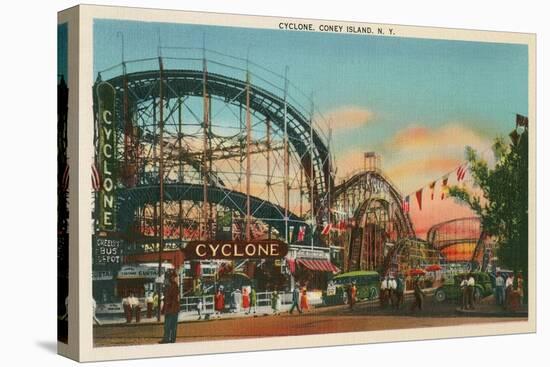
(509, 290)
(392, 292)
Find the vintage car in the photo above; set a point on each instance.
(367, 283)
(450, 290)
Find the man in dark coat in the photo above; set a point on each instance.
(171, 309)
(296, 299)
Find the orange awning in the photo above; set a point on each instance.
(318, 265)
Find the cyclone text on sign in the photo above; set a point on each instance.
(106, 155)
(264, 249)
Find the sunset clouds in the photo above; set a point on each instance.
(348, 117)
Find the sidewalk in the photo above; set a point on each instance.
(488, 308)
(190, 317)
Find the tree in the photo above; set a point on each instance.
(501, 198)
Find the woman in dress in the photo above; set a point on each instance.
(303, 300)
(246, 300)
(219, 301)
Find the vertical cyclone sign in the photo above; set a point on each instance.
(106, 156)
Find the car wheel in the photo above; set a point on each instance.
(440, 295)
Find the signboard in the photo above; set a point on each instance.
(102, 275)
(264, 249)
(135, 272)
(106, 156)
(107, 250)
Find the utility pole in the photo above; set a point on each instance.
(205, 124)
(285, 153)
(248, 160)
(311, 173)
(161, 176)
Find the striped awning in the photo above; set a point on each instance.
(318, 265)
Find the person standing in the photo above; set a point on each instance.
(171, 309)
(418, 296)
(246, 300)
(275, 302)
(94, 308)
(352, 294)
(127, 308)
(219, 301)
(253, 299)
(471, 287)
(295, 299)
(399, 291)
(392, 290)
(499, 289)
(136, 307)
(384, 292)
(199, 308)
(149, 302)
(237, 299)
(509, 289)
(303, 300)
(520, 288)
(464, 292)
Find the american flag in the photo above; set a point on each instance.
(96, 181)
(461, 172)
(406, 204)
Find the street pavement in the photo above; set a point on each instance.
(365, 316)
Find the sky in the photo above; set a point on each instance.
(416, 102)
(62, 50)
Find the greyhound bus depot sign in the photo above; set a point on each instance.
(106, 156)
(264, 249)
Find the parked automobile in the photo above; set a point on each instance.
(367, 283)
(450, 290)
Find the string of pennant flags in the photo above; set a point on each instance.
(461, 171)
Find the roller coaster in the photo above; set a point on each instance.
(207, 136)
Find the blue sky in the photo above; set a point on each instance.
(394, 84)
(62, 49)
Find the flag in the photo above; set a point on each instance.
(432, 189)
(96, 181)
(521, 120)
(461, 172)
(419, 198)
(444, 188)
(514, 136)
(301, 233)
(342, 225)
(406, 204)
(326, 229)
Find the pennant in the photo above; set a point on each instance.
(514, 136)
(521, 121)
(96, 180)
(406, 204)
(432, 189)
(343, 225)
(461, 172)
(419, 198)
(301, 233)
(326, 229)
(444, 188)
